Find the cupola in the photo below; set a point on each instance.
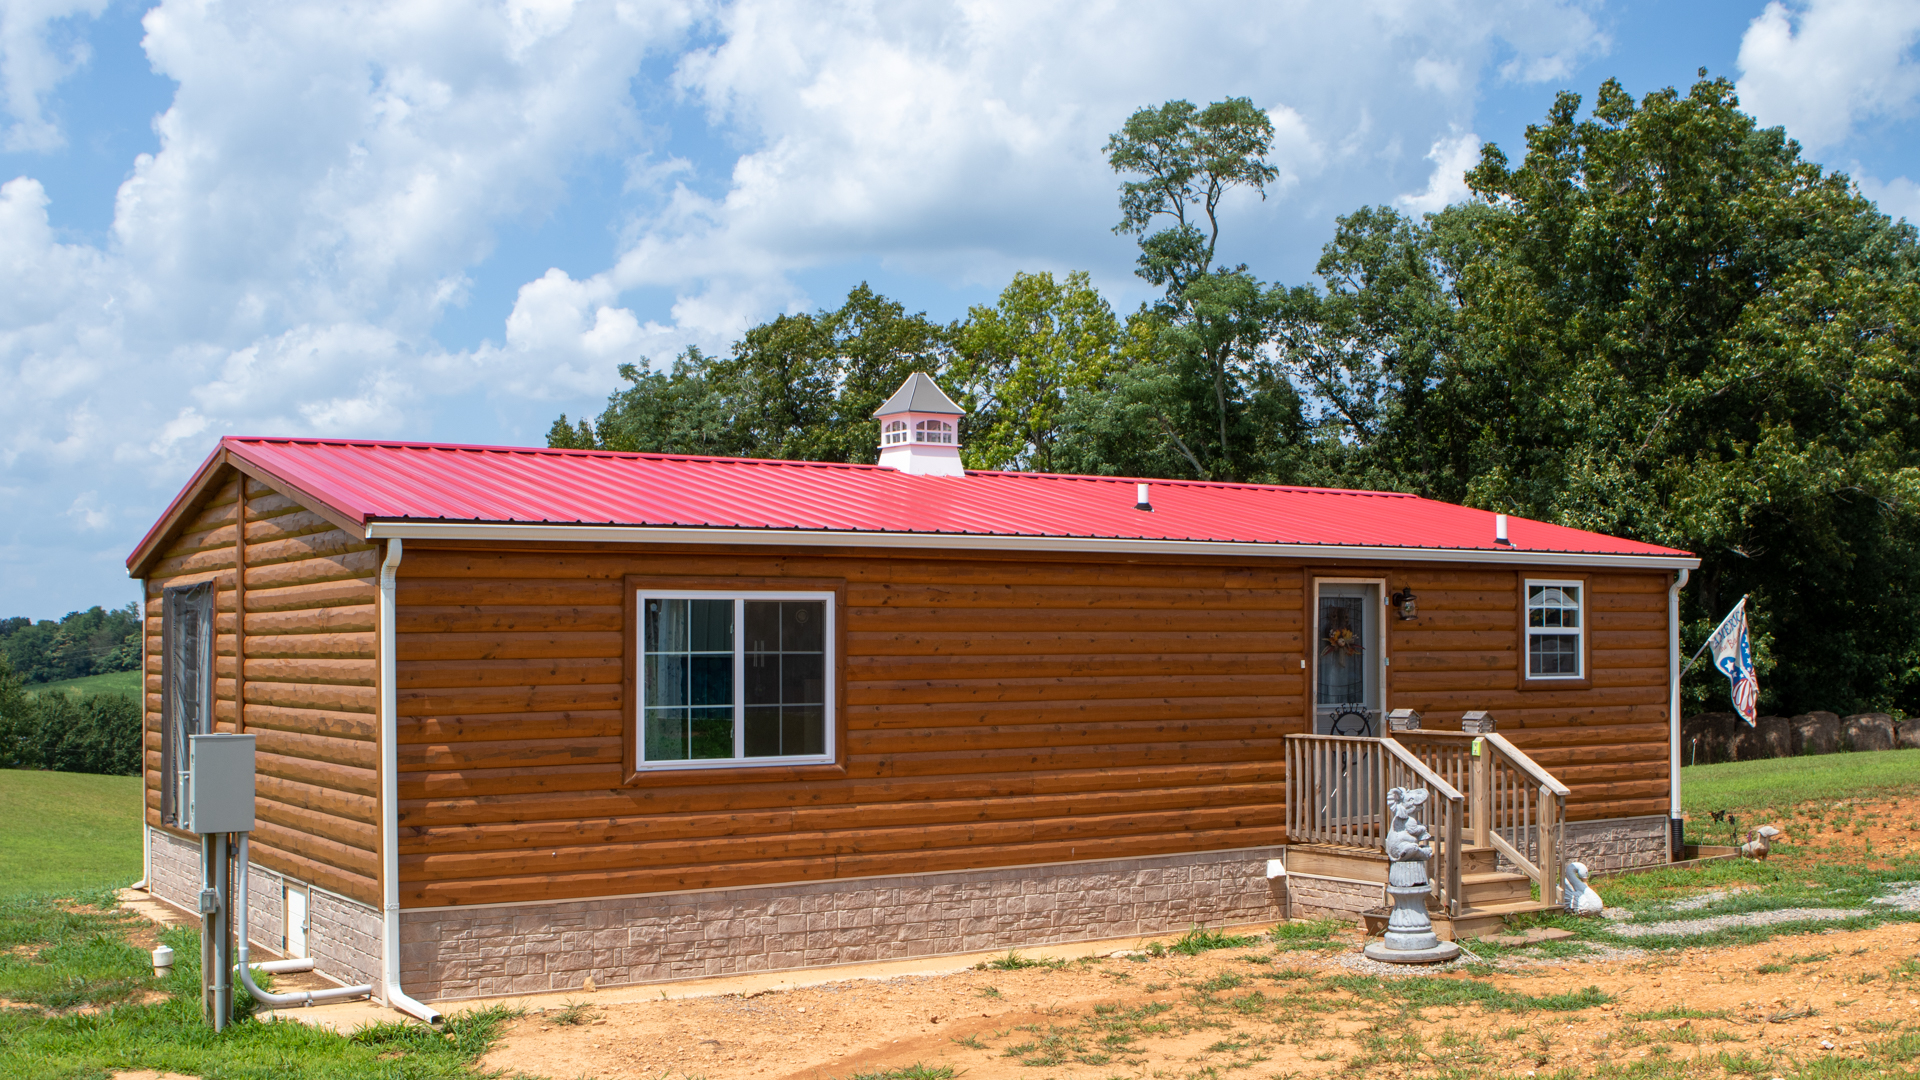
(920, 429)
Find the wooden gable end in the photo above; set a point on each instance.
(294, 665)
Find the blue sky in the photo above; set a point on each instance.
(453, 220)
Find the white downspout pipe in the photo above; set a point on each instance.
(396, 998)
(277, 1001)
(1673, 711)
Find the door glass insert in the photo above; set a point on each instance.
(1347, 660)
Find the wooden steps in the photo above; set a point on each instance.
(1490, 896)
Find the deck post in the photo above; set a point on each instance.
(1481, 797)
(1549, 851)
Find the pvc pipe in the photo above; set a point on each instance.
(1673, 707)
(285, 967)
(298, 998)
(396, 998)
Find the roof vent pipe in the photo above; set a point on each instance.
(1141, 500)
(1500, 529)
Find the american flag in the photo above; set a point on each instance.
(1733, 655)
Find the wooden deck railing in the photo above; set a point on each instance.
(1337, 790)
(1337, 785)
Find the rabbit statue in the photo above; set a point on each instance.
(1581, 900)
(1759, 842)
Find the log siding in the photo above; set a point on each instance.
(305, 686)
(994, 711)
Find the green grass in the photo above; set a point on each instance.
(1780, 782)
(68, 831)
(56, 956)
(1199, 940)
(127, 683)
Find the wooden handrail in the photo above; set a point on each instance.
(1440, 787)
(1524, 763)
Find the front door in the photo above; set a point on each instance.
(1348, 660)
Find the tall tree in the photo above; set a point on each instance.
(1185, 161)
(1678, 329)
(1019, 360)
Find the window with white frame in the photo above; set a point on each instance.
(933, 431)
(745, 678)
(894, 434)
(1554, 630)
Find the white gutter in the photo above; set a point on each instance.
(658, 534)
(396, 998)
(1673, 700)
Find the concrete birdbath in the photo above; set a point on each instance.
(1409, 938)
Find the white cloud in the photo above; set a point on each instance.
(1823, 67)
(86, 510)
(34, 58)
(1452, 157)
(1898, 198)
(330, 181)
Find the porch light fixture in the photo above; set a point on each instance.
(1408, 603)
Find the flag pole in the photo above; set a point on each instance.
(1709, 641)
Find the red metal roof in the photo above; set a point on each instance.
(365, 482)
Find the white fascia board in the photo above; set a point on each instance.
(660, 534)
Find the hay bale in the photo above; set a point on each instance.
(1772, 737)
(1868, 731)
(1907, 736)
(1704, 736)
(1816, 733)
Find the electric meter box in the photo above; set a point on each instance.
(219, 784)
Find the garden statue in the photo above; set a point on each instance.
(1409, 938)
(1581, 900)
(1759, 842)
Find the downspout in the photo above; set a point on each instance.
(1675, 824)
(396, 998)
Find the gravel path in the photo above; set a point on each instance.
(1749, 918)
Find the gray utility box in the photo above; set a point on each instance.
(219, 784)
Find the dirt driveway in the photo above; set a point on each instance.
(1250, 1012)
(1848, 1000)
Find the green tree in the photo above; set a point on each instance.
(1373, 351)
(1676, 328)
(798, 387)
(1212, 321)
(1019, 360)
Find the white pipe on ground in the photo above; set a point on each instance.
(396, 998)
(1673, 710)
(297, 998)
(285, 967)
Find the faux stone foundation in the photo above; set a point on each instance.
(515, 949)
(343, 935)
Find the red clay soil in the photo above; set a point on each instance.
(1738, 1011)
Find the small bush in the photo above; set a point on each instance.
(1199, 940)
(99, 733)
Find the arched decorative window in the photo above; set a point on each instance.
(933, 431)
(895, 433)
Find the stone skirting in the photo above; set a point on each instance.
(343, 936)
(1330, 898)
(451, 953)
(1606, 845)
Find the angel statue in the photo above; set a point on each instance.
(1409, 938)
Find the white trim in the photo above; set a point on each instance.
(1527, 630)
(673, 534)
(739, 760)
(1381, 671)
(1673, 694)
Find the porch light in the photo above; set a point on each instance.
(1408, 603)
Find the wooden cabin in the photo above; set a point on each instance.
(530, 716)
